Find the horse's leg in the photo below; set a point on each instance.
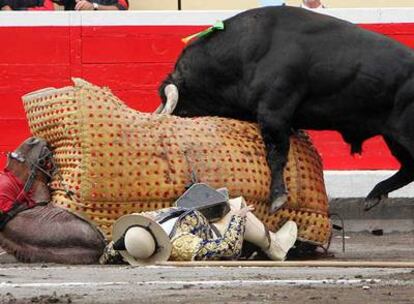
(51, 234)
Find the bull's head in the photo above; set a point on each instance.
(171, 100)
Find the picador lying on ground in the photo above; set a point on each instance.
(288, 68)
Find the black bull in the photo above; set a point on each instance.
(288, 68)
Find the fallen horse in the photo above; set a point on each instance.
(33, 229)
(118, 161)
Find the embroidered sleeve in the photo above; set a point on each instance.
(227, 247)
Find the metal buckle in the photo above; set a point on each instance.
(16, 156)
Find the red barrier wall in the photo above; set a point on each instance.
(131, 60)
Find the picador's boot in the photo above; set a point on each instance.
(281, 241)
(274, 244)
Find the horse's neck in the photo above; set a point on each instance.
(19, 170)
(40, 191)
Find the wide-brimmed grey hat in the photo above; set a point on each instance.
(161, 245)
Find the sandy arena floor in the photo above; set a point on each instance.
(48, 283)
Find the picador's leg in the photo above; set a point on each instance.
(274, 244)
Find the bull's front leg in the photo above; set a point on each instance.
(274, 120)
(277, 146)
(275, 115)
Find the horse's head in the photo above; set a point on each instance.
(32, 159)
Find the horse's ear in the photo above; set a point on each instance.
(33, 141)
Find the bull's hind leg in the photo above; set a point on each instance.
(403, 177)
(399, 136)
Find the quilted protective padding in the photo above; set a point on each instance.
(117, 161)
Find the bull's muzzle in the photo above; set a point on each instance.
(171, 93)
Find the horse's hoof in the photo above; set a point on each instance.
(373, 201)
(278, 202)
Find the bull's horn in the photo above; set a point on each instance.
(171, 92)
(159, 109)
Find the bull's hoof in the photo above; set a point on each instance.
(278, 202)
(371, 202)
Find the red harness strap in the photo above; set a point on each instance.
(11, 192)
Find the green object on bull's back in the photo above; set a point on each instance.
(218, 26)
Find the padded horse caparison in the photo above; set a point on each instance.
(41, 161)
